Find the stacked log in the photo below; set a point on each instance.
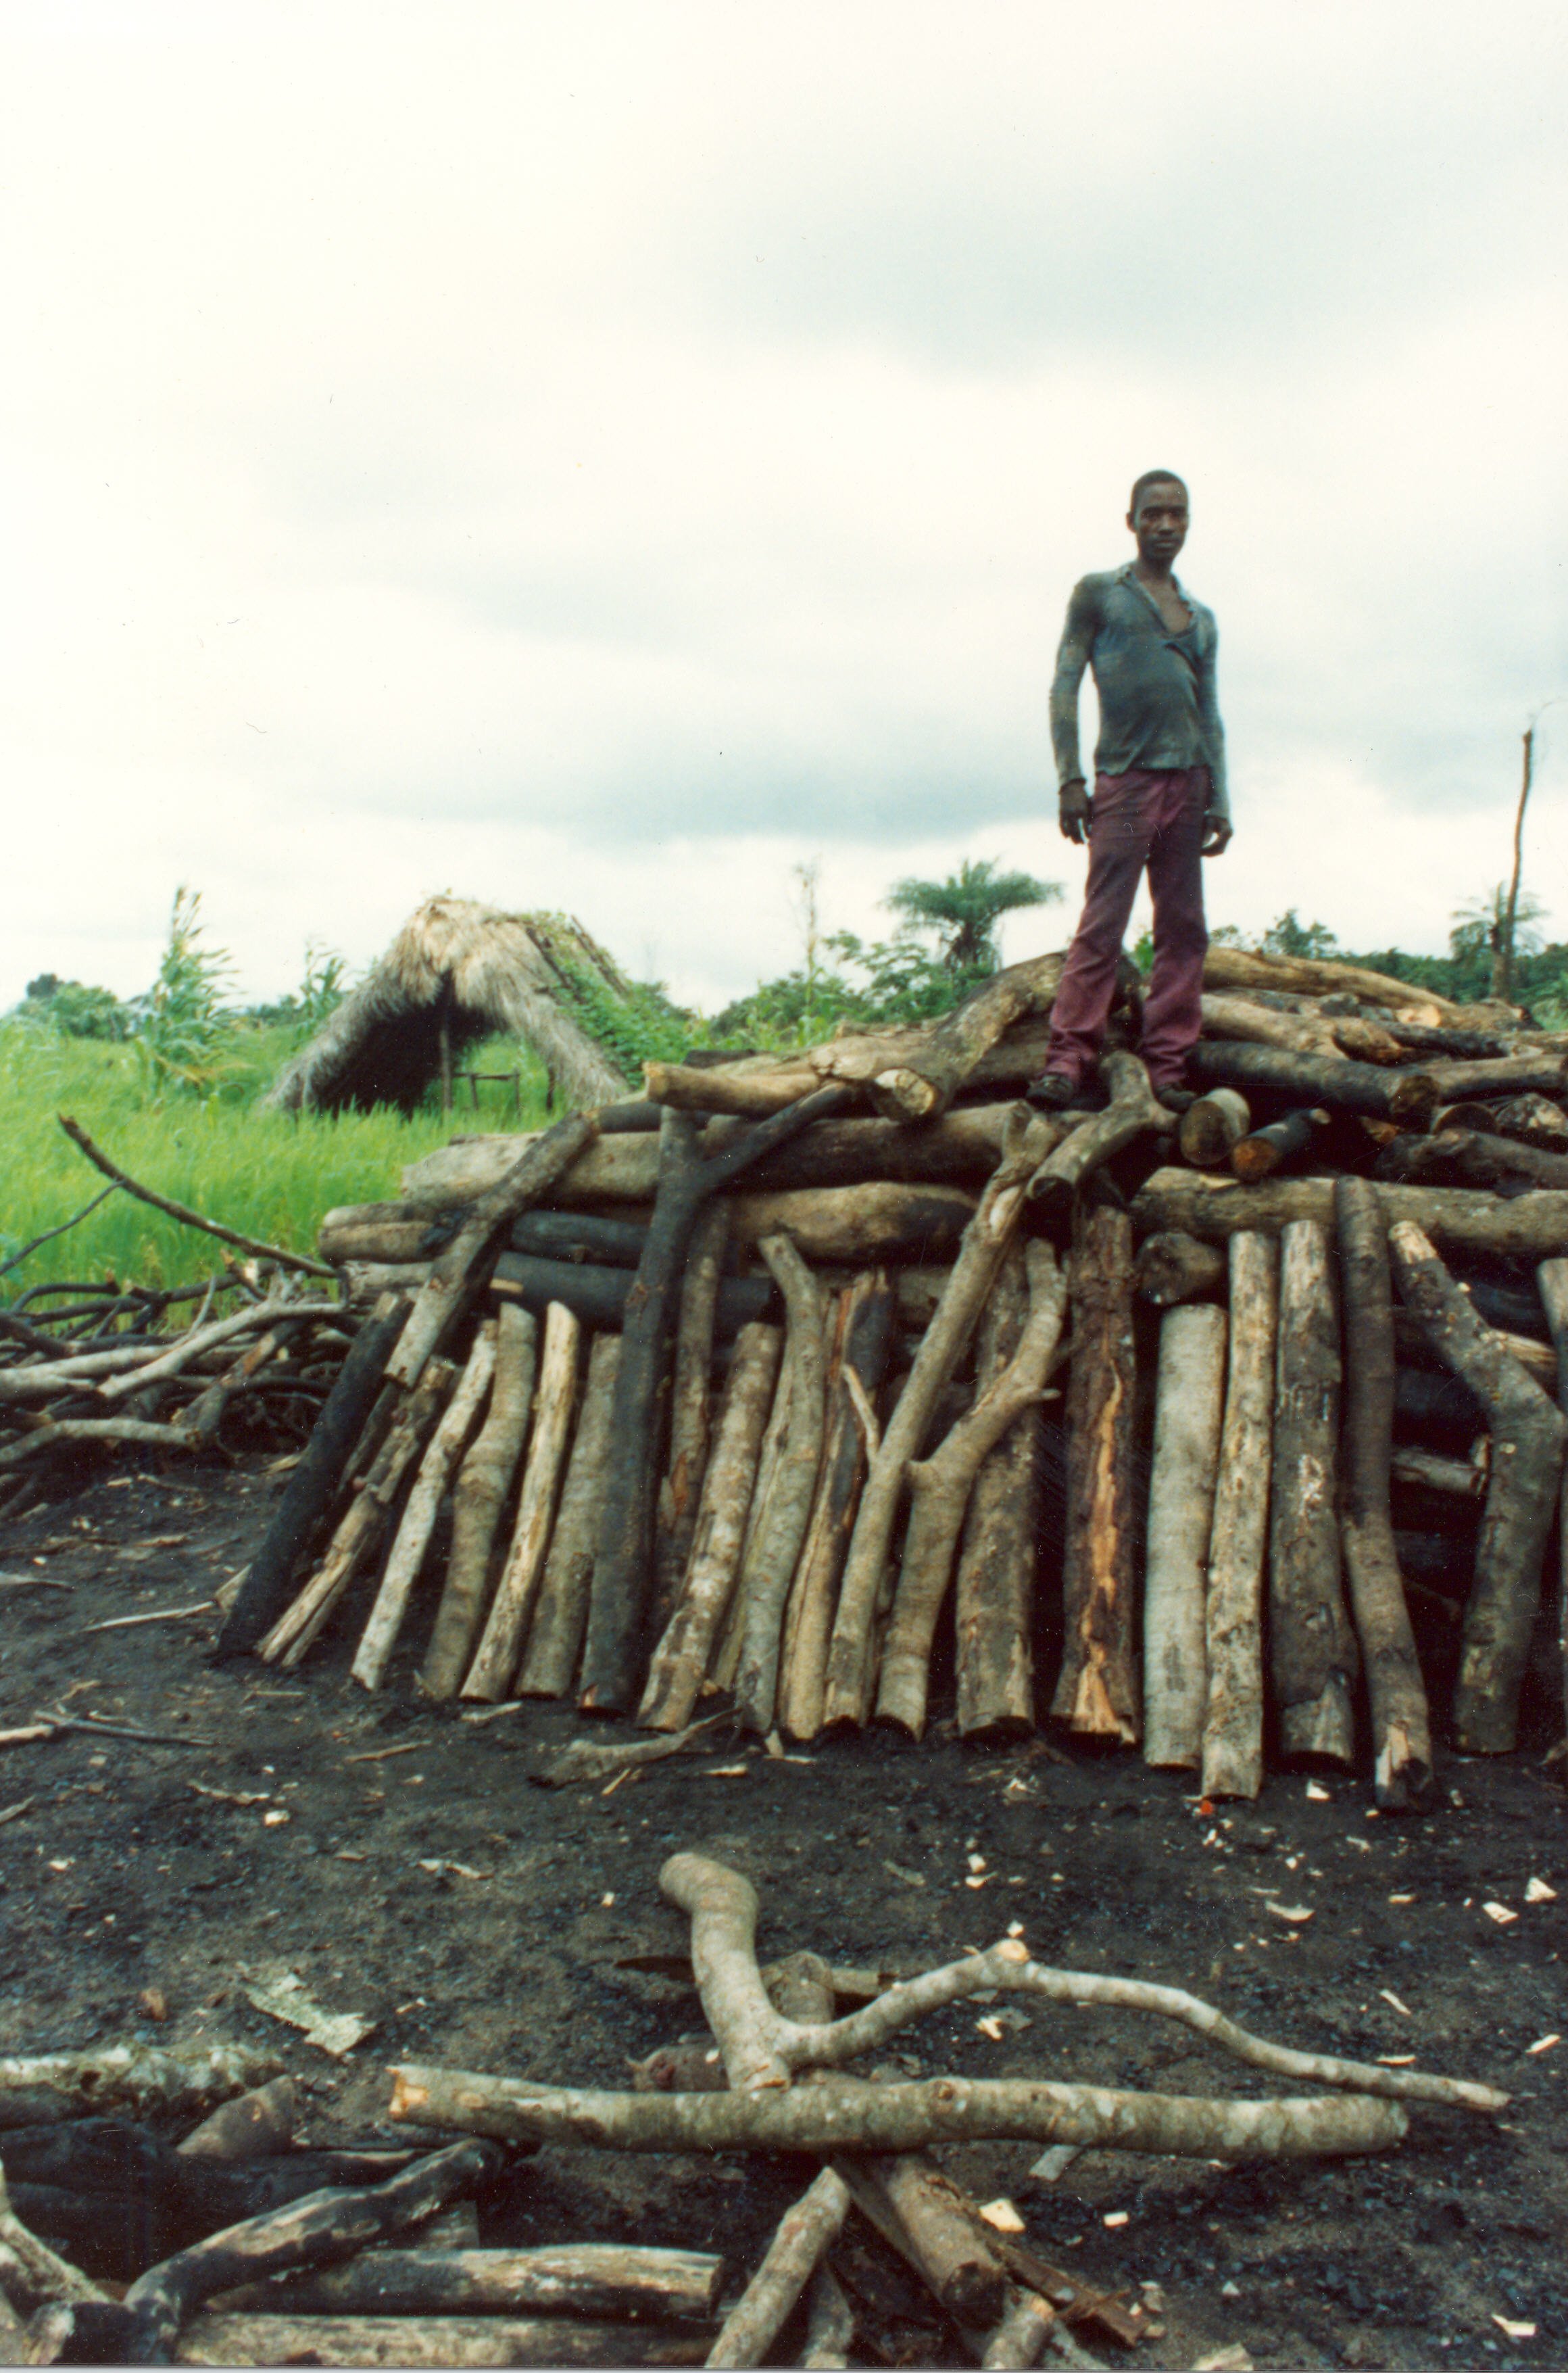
(752, 1407)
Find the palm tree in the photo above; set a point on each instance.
(966, 908)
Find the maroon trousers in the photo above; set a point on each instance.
(1141, 819)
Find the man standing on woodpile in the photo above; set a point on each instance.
(1159, 799)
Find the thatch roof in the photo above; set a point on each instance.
(479, 972)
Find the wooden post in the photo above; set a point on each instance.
(1528, 1437)
(1211, 1126)
(1401, 1742)
(771, 1560)
(993, 1604)
(1189, 1412)
(1096, 1690)
(561, 1611)
(1233, 1716)
(478, 1501)
(505, 1631)
(1552, 1278)
(1313, 1654)
(689, 1412)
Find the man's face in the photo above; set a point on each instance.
(1160, 523)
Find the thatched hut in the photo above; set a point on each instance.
(458, 972)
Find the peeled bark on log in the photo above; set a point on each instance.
(771, 1563)
(829, 2324)
(940, 1487)
(1402, 1739)
(923, 1084)
(1096, 1690)
(1409, 1097)
(993, 1603)
(681, 1660)
(313, 2231)
(1190, 1409)
(1532, 1227)
(506, 1627)
(478, 1501)
(847, 2113)
(587, 2278)
(561, 1611)
(1280, 1145)
(452, 1279)
(1211, 1126)
(807, 2232)
(1233, 1717)
(1313, 1654)
(133, 2078)
(357, 1541)
(1173, 1268)
(862, 1336)
(1133, 1107)
(598, 1297)
(1529, 1435)
(990, 1230)
(622, 1576)
(311, 1489)
(442, 1456)
(938, 2232)
(438, 2341)
(1553, 1279)
(257, 2124)
(689, 1405)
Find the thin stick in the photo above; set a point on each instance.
(203, 1339)
(807, 2232)
(64, 1229)
(163, 1615)
(182, 1211)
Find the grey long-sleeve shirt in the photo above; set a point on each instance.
(1158, 705)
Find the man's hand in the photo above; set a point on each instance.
(1216, 835)
(1076, 811)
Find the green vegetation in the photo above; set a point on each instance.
(1465, 974)
(271, 1174)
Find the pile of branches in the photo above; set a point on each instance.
(748, 1389)
(241, 1362)
(234, 2246)
(775, 2083)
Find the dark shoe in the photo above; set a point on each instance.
(1053, 1091)
(1176, 1100)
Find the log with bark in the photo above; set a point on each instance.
(862, 1335)
(1428, 1470)
(608, 2280)
(312, 1487)
(136, 2078)
(1529, 1434)
(1132, 1109)
(1239, 1539)
(689, 1405)
(771, 1560)
(1172, 1267)
(561, 1610)
(357, 1542)
(1313, 1660)
(1211, 1126)
(1408, 1096)
(253, 2125)
(926, 2217)
(1401, 1741)
(622, 1576)
(1283, 1144)
(443, 1455)
(1306, 1032)
(1531, 1070)
(829, 2324)
(1232, 968)
(478, 1501)
(1533, 1119)
(993, 1600)
(1096, 1690)
(452, 1280)
(924, 1084)
(597, 1296)
(940, 1487)
(1532, 1227)
(725, 1660)
(1553, 1280)
(1189, 1413)
(680, 1659)
(806, 2234)
(1470, 1157)
(506, 1630)
(436, 2341)
(847, 1692)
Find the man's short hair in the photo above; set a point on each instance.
(1155, 478)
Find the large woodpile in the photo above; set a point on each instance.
(833, 1383)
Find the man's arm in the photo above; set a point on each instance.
(1217, 823)
(1071, 659)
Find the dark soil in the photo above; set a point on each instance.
(485, 1921)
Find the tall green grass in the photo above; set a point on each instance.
(270, 1174)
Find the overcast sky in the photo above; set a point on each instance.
(602, 458)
